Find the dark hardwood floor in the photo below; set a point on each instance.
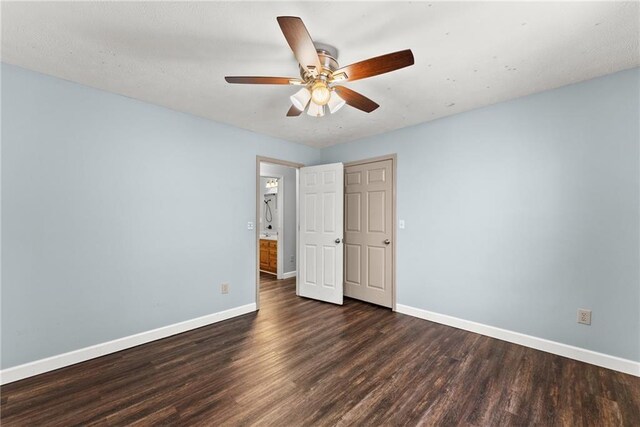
(300, 362)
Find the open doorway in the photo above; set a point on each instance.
(271, 223)
(276, 224)
(343, 239)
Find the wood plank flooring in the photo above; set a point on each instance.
(299, 362)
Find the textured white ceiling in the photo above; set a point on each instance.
(468, 54)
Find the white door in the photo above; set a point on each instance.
(321, 232)
(368, 239)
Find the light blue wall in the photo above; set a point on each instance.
(118, 216)
(520, 213)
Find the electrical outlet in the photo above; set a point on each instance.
(224, 288)
(584, 316)
(250, 225)
(401, 224)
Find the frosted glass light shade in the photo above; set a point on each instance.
(301, 98)
(315, 110)
(320, 93)
(335, 102)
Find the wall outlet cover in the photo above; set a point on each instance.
(584, 316)
(224, 288)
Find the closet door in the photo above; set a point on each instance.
(368, 232)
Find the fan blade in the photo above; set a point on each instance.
(263, 80)
(293, 112)
(355, 99)
(300, 41)
(378, 65)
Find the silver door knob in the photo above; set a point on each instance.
(338, 240)
(387, 241)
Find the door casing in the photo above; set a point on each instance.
(259, 160)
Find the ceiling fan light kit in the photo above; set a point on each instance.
(319, 73)
(335, 102)
(320, 92)
(315, 110)
(301, 98)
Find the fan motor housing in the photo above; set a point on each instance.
(327, 55)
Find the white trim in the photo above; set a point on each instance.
(60, 361)
(297, 251)
(600, 359)
(289, 275)
(280, 206)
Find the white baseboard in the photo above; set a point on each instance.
(576, 353)
(71, 358)
(289, 275)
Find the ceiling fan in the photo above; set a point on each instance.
(319, 73)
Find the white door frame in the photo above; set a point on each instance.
(297, 166)
(394, 234)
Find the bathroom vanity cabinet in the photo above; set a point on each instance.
(269, 256)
